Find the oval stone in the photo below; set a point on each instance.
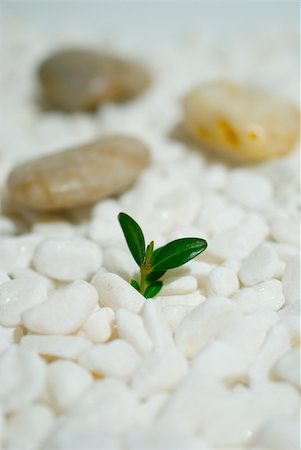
(80, 176)
(77, 79)
(241, 121)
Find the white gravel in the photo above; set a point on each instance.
(86, 362)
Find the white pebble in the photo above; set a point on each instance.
(106, 232)
(260, 265)
(286, 231)
(56, 346)
(278, 433)
(4, 277)
(30, 273)
(116, 358)
(17, 296)
(17, 251)
(117, 293)
(99, 326)
(269, 294)
(174, 314)
(22, 378)
(222, 281)
(247, 300)
(65, 310)
(120, 262)
(156, 326)
(179, 286)
(53, 229)
(249, 189)
(202, 324)
(66, 382)
(109, 406)
(291, 280)
(29, 427)
(160, 371)
(238, 242)
(287, 368)
(130, 327)
(150, 408)
(285, 251)
(232, 264)
(215, 218)
(67, 259)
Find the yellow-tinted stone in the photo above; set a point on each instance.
(80, 176)
(241, 121)
(78, 79)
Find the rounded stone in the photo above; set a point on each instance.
(78, 79)
(79, 176)
(241, 121)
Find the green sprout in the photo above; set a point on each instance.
(154, 263)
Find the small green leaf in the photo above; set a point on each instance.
(135, 285)
(155, 275)
(177, 253)
(153, 289)
(134, 237)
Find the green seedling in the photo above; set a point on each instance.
(154, 263)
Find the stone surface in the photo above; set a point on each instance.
(99, 326)
(241, 121)
(64, 312)
(79, 176)
(78, 79)
(68, 347)
(260, 265)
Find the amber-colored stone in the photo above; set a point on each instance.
(77, 79)
(80, 176)
(241, 121)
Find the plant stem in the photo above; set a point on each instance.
(146, 267)
(143, 276)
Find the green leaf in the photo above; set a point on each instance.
(153, 289)
(134, 237)
(177, 253)
(155, 275)
(135, 285)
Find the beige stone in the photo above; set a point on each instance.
(241, 121)
(80, 176)
(78, 79)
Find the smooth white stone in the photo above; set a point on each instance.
(174, 314)
(215, 218)
(3, 277)
(68, 347)
(222, 281)
(17, 251)
(276, 344)
(179, 286)
(280, 269)
(202, 324)
(215, 177)
(117, 359)
(278, 433)
(247, 300)
(291, 280)
(290, 318)
(30, 273)
(120, 262)
(109, 406)
(27, 429)
(156, 326)
(65, 310)
(130, 327)
(117, 293)
(220, 360)
(182, 231)
(9, 336)
(260, 265)
(286, 231)
(53, 229)
(238, 242)
(67, 259)
(150, 408)
(74, 435)
(158, 438)
(287, 368)
(99, 326)
(17, 296)
(66, 382)
(22, 378)
(270, 294)
(285, 251)
(106, 209)
(159, 372)
(8, 226)
(106, 232)
(248, 333)
(189, 300)
(249, 189)
(232, 264)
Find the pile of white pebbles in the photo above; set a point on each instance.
(86, 363)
